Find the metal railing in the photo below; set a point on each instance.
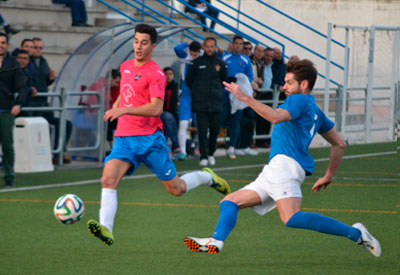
(145, 9)
(62, 109)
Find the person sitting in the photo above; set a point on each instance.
(169, 115)
(114, 93)
(78, 12)
(7, 28)
(200, 8)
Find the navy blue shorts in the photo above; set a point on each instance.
(152, 150)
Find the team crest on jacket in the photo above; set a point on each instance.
(217, 67)
(138, 75)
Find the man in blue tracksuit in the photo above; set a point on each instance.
(237, 63)
(186, 53)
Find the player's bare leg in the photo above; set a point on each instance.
(113, 172)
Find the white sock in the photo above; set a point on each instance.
(195, 179)
(108, 207)
(182, 135)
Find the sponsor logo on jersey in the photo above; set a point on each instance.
(127, 92)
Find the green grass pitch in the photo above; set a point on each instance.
(151, 224)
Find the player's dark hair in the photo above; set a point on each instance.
(210, 38)
(22, 52)
(236, 37)
(115, 73)
(195, 46)
(168, 69)
(303, 70)
(4, 35)
(268, 49)
(144, 28)
(25, 40)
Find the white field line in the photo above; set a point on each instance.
(85, 182)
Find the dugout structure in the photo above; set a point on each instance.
(84, 81)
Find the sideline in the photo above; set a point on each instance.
(205, 206)
(85, 182)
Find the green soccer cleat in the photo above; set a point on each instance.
(219, 183)
(101, 232)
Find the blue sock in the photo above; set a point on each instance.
(228, 212)
(323, 224)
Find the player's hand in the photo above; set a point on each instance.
(114, 113)
(235, 90)
(321, 183)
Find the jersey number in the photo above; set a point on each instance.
(312, 131)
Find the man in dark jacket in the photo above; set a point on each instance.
(204, 78)
(12, 82)
(42, 76)
(278, 72)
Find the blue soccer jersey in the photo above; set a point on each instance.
(292, 138)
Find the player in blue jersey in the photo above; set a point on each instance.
(186, 53)
(296, 121)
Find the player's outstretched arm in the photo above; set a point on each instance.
(154, 108)
(336, 154)
(268, 113)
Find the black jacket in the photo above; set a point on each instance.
(171, 99)
(12, 83)
(204, 79)
(40, 80)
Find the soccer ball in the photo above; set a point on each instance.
(69, 209)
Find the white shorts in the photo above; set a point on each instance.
(281, 178)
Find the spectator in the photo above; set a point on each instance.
(7, 28)
(114, 93)
(23, 60)
(294, 58)
(204, 78)
(256, 63)
(27, 45)
(247, 49)
(279, 71)
(78, 12)
(42, 77)
(200, 8)
(169, 114)
(247, 121)
(263, 126)
(186, 53)
(12, 82)
(237, 63)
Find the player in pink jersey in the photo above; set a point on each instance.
(139, 137)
